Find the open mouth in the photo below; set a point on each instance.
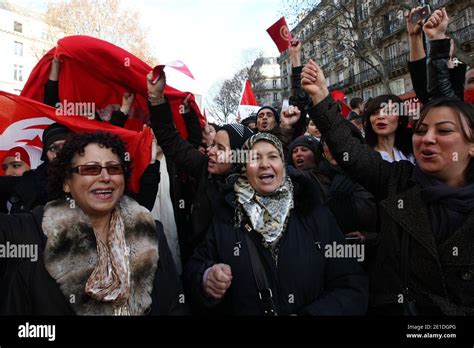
(381, 125)
(427, 154)
(299, 162)
(103, 194)
(266, 178)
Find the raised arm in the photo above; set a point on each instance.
(299, 97)
(51, 87)
(439, 84)
(358, 160)
(119, 117)
(192, 123)
(417, 62)
(178, 150)
(284, 132)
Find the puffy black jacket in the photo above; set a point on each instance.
(305, 281)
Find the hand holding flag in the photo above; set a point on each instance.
(280, 34)
(176, 64)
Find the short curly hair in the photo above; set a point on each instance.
(58, 170)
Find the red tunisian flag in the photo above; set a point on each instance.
(176, 64)
(280, 34)
(19, 116)
(248, 102)
(339, 97)
(98, 72)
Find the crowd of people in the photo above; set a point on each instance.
(371, 214)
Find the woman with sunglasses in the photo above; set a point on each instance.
(98, 251)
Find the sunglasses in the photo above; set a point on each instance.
(95, 169)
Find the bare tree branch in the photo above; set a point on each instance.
(103, 19)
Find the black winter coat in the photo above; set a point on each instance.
(27, 288)
(207, 192)
(25, 192)
(352, 206)
(304, 282)
(440, 281)
(442, 81)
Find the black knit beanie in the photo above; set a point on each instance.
(307, 141)
(238, 134)
(52, 133)
(277, 115)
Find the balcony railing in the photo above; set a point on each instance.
(338, 57)
(398, 62)
(365, 75)
(438, 3)
(378, 4)
(465, 34)
(377, 36)
(394, 27)
(339, 85)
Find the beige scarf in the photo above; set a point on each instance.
(110, 280)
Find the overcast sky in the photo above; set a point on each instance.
(207, 35)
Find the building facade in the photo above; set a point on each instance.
(268, 90)
(323, 32)
(24, 39)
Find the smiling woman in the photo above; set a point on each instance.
(101, 252)
(274, 213)
(425, 251)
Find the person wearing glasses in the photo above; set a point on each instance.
(98, 251)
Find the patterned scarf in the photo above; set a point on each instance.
(110, 280)
(268, 214)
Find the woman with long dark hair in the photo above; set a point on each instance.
(386, 128)
(425, 253)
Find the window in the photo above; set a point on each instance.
(379, 90)
(275, 96)
(341, 76)
(364, 65)
(367, 94)
(397, 86)
(391, 51)
(18, 72)
(324, 59)
(274, 84)
(18, 27)
(329, 80)
(18, 48)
